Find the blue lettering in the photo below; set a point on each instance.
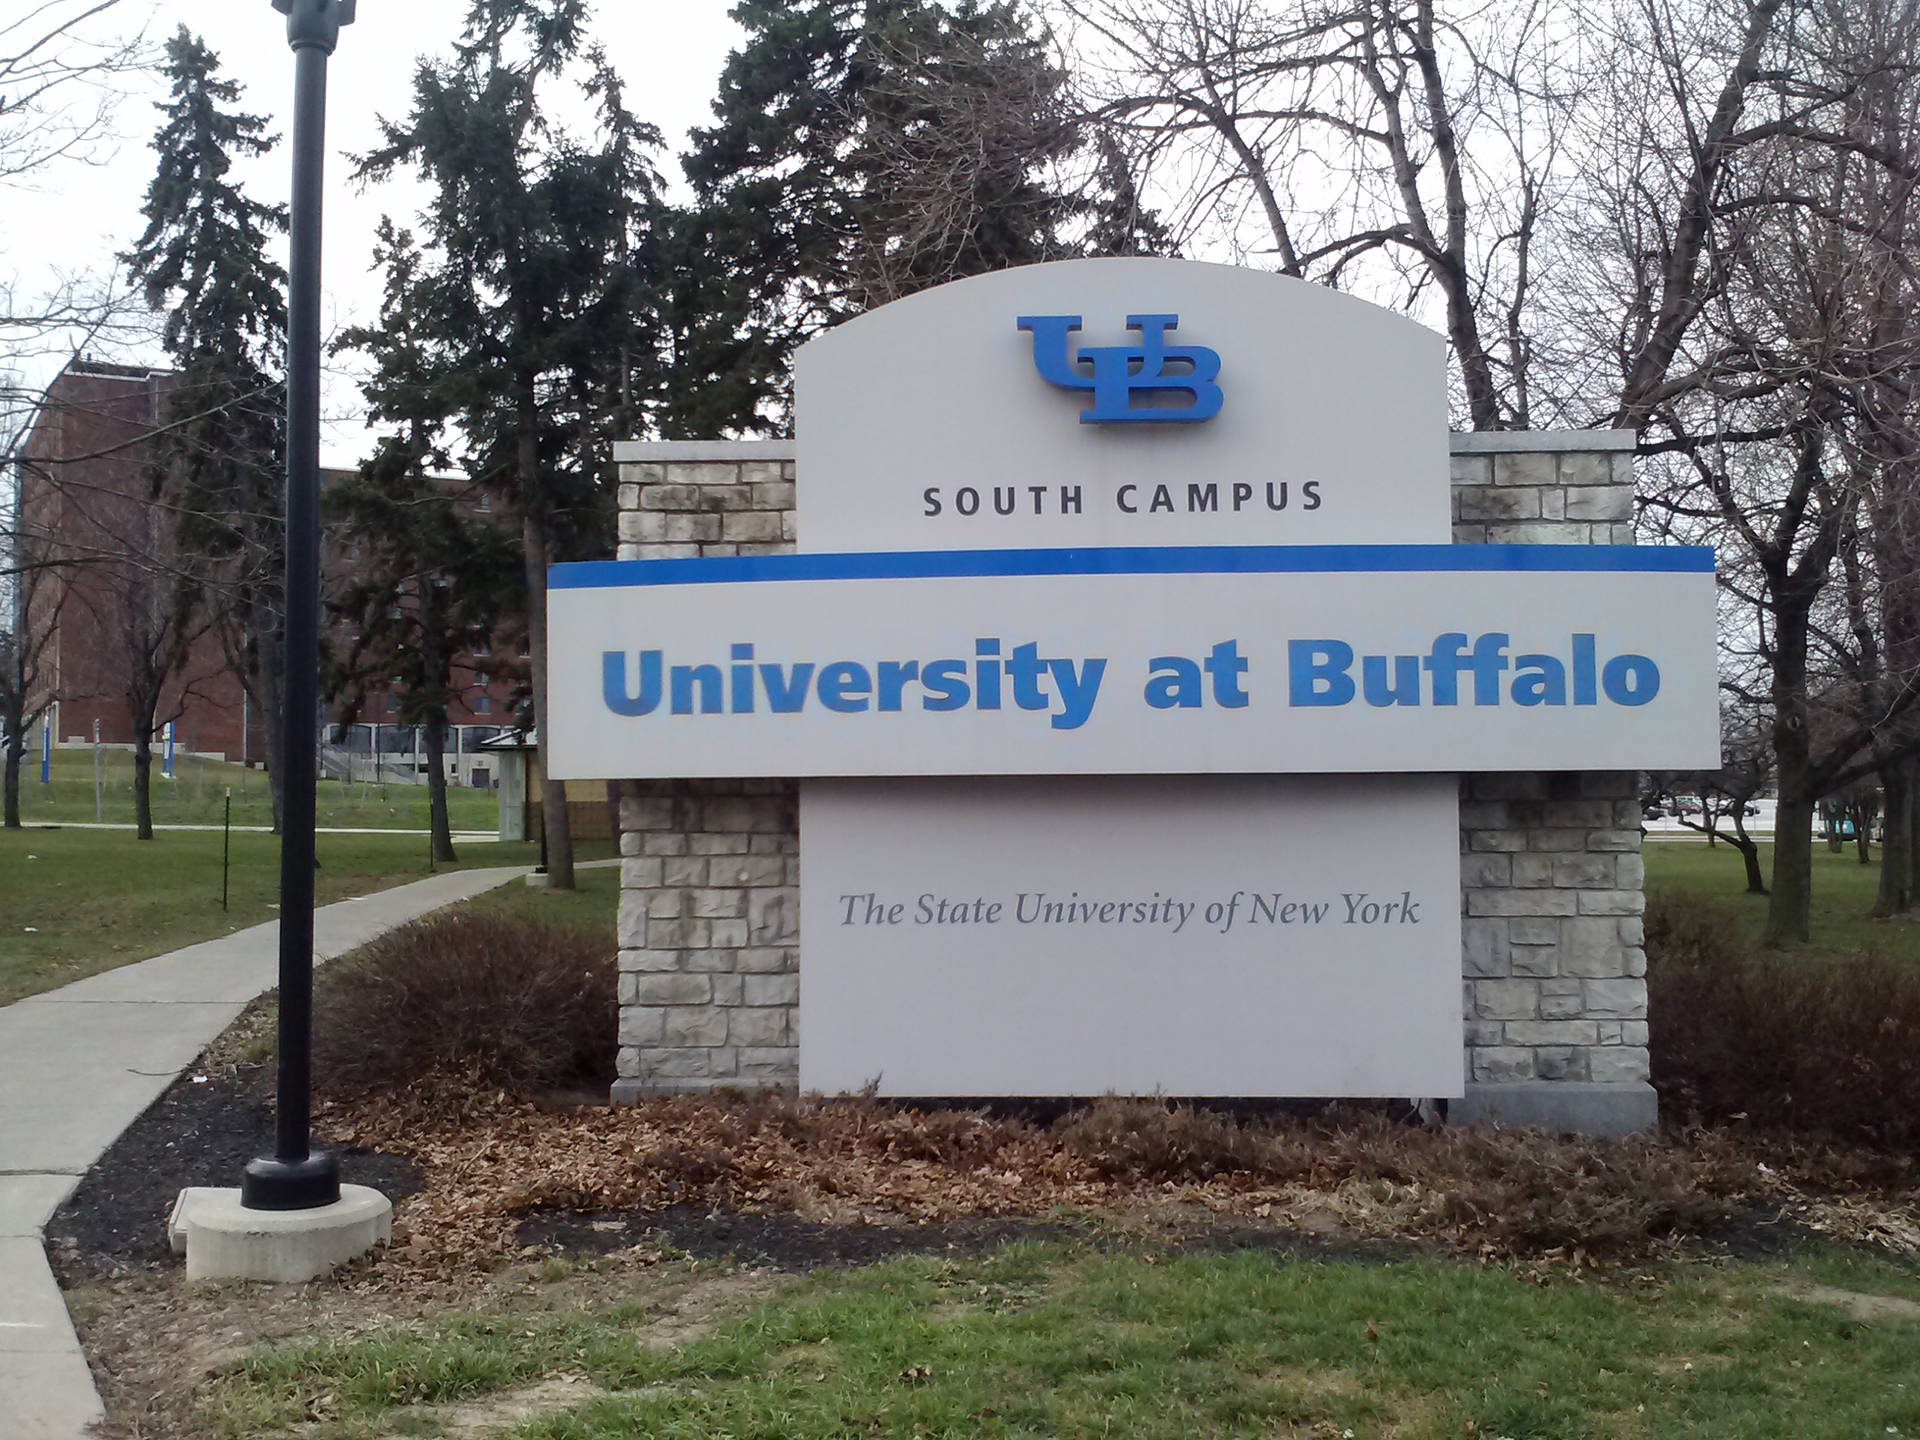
(1583, 688)
(1173, 683)
(707, 677)
(1226, 666)
(1317, 672)
(844, 687)
(1405, 689)
(613, 683)
(1630, 679)
(1077, 692)
(787, 689)
(1539, 680)
(894, 675)
(945, 682)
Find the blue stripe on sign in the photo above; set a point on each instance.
(1140, 560)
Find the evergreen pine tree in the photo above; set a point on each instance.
(433, 577)
(203, 259)
(867, 149)
(539, 252)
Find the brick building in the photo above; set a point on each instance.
(83, 477)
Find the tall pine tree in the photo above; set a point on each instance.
(866, 149)
(434, 577)
(204, 261)
(539, 248)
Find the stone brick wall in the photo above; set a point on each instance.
(1552, 965)
(709, 871)
(709, 935)
(1550, 870)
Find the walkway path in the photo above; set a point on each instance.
(79, 1064)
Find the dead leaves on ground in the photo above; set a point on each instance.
(1495, 1195)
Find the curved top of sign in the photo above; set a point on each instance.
(1122, 402)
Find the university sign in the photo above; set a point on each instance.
(1130, 671)
(1338, 659)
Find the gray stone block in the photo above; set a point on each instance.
(1615, 999)
(1525, 469)
(773, 917)
(779, 1064)
(771, 990)
(1591, 949)
(1619, 1065)
(1552, 1032)
(684, 870)
(1502, 1064)
(672, 988)
(1521, 902)
(695, 1026)
(1506, 999)
(640, 1025)
(758, 1027)
(1608, 503)
(1563, 1107)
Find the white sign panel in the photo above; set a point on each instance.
(1326, 659)
(1121, 402)
(1270, 936)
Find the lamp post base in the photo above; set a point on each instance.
(273, 1184)
(225, 1240)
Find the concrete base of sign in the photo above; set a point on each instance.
(223, 1240)
(1564, 1107)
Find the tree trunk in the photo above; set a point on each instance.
(1790, 906)
(553, 793)
(143, 779)
(1895, 895)
(442, 842)
(1863, 814)
(16, 747)
(1749, 853)
(270, 695)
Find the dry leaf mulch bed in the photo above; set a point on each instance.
(497, 1172)
(800, 1183)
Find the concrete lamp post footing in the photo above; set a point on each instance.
(223, 1240)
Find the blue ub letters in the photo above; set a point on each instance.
(1116, 374)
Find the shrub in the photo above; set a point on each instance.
(467, 1001)
(1798, 1042)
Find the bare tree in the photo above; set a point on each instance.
(1373, 145)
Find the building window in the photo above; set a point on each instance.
(483, 705)
(482, 679)
(393, 704)
(483, 646)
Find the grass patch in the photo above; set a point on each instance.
(1050, 1341)
(197, 796)
(1843, 893)
(76, 902)
(593, 905)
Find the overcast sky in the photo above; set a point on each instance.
(77, 218)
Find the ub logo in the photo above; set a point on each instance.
(1153, 371)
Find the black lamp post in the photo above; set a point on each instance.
(294, 1177)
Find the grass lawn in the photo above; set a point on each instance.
(1047, 1340)
(197, 796)
(1843, 891)
(76, 902)
(593, 905)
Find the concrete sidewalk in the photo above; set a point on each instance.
(78, 1065)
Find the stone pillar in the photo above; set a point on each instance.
(1551, 877)
(709, 871)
